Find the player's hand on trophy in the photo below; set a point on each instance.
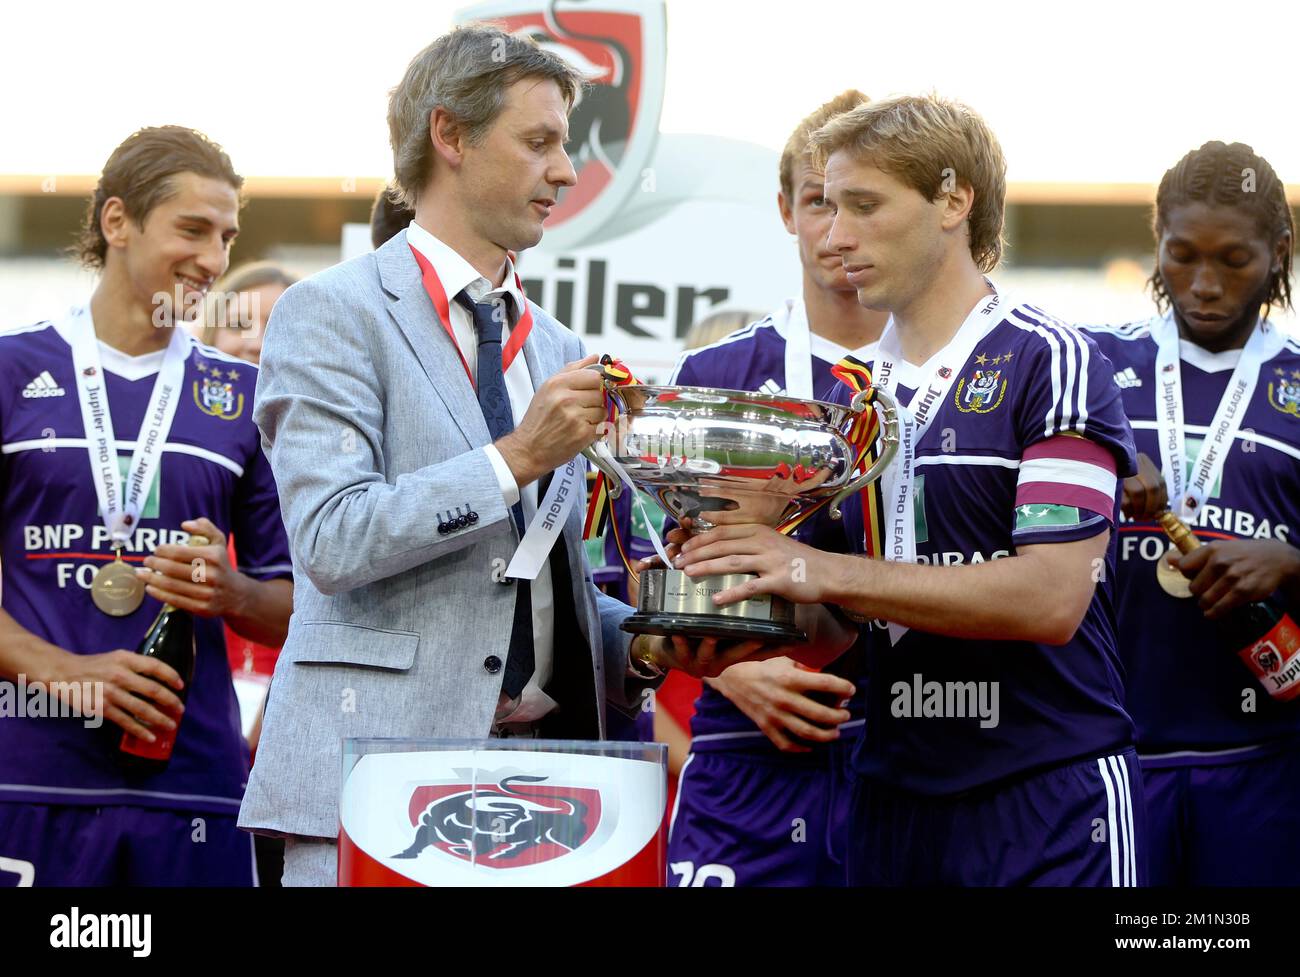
(775, 694)
(782, 566)
(673, 540)
(563, 418)
(1144, 493)
(1227, 574)
(702, 658)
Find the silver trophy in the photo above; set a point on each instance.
(699, 450)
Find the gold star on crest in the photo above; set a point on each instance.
(1279, 371)
(997, 360)
(1296, 374)
(200, 368)
(981, 359)
(1007, 357)
(232, 375)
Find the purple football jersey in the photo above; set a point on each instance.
(52, 540)
(1189, 694)
(753, 359)
(945, 715)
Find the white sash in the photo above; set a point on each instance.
(120, 501)
(915, 420)
(1188, 491)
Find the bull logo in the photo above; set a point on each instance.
(981, 394)
(1267, 657)
(1284, 395)
(217, 399)
(619, 45)
(502, 826)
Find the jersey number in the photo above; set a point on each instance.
(690, 878)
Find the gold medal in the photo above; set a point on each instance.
(116, 590)
(1171, 581)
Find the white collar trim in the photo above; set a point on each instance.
(113, 360)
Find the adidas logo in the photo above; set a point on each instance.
(43, 386)
(771, 387)
(1126, 378)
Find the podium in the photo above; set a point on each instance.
(502, 812)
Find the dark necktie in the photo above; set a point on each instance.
(494, 401)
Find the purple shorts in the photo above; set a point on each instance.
(1225, 823)
(118, 845)
(1081, 824)
(760, 818)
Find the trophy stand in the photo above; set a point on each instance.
(673, 603)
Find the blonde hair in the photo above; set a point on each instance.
(245, 278)
(928, 142)
(718, 325)
(797, 148)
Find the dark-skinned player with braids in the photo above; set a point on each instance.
(1212, 390)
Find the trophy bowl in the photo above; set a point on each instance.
(702, 450)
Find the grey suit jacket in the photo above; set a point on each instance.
(372, 429)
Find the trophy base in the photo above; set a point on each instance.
(673, 603)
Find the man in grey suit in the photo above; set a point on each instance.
(408, 440)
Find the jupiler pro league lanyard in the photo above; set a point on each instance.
(121, 500)
(1188, 490)
(915, 421)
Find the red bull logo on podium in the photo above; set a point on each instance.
(500, 816)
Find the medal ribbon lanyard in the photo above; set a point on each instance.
(798, 352)
(1189, 489)
(438, 295)
(915, 420)
(121, 500)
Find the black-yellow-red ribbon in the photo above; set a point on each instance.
(598, 502)
(855, 375)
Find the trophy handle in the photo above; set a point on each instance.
(887, 409)
(613, 483)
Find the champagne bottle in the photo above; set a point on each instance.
(1263, 635)
(170, 639)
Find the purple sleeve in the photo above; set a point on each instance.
(260, 541)
(684, 373)
(1070, 387)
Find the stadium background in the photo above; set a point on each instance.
(1090, 111)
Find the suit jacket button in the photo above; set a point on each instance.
(492, 663)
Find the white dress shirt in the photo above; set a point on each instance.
(457, 274)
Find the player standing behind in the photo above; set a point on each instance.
(175, 417)
(997, 750)
(750, 811)
(1220, 757)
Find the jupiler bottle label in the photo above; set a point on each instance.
(1275, 659)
